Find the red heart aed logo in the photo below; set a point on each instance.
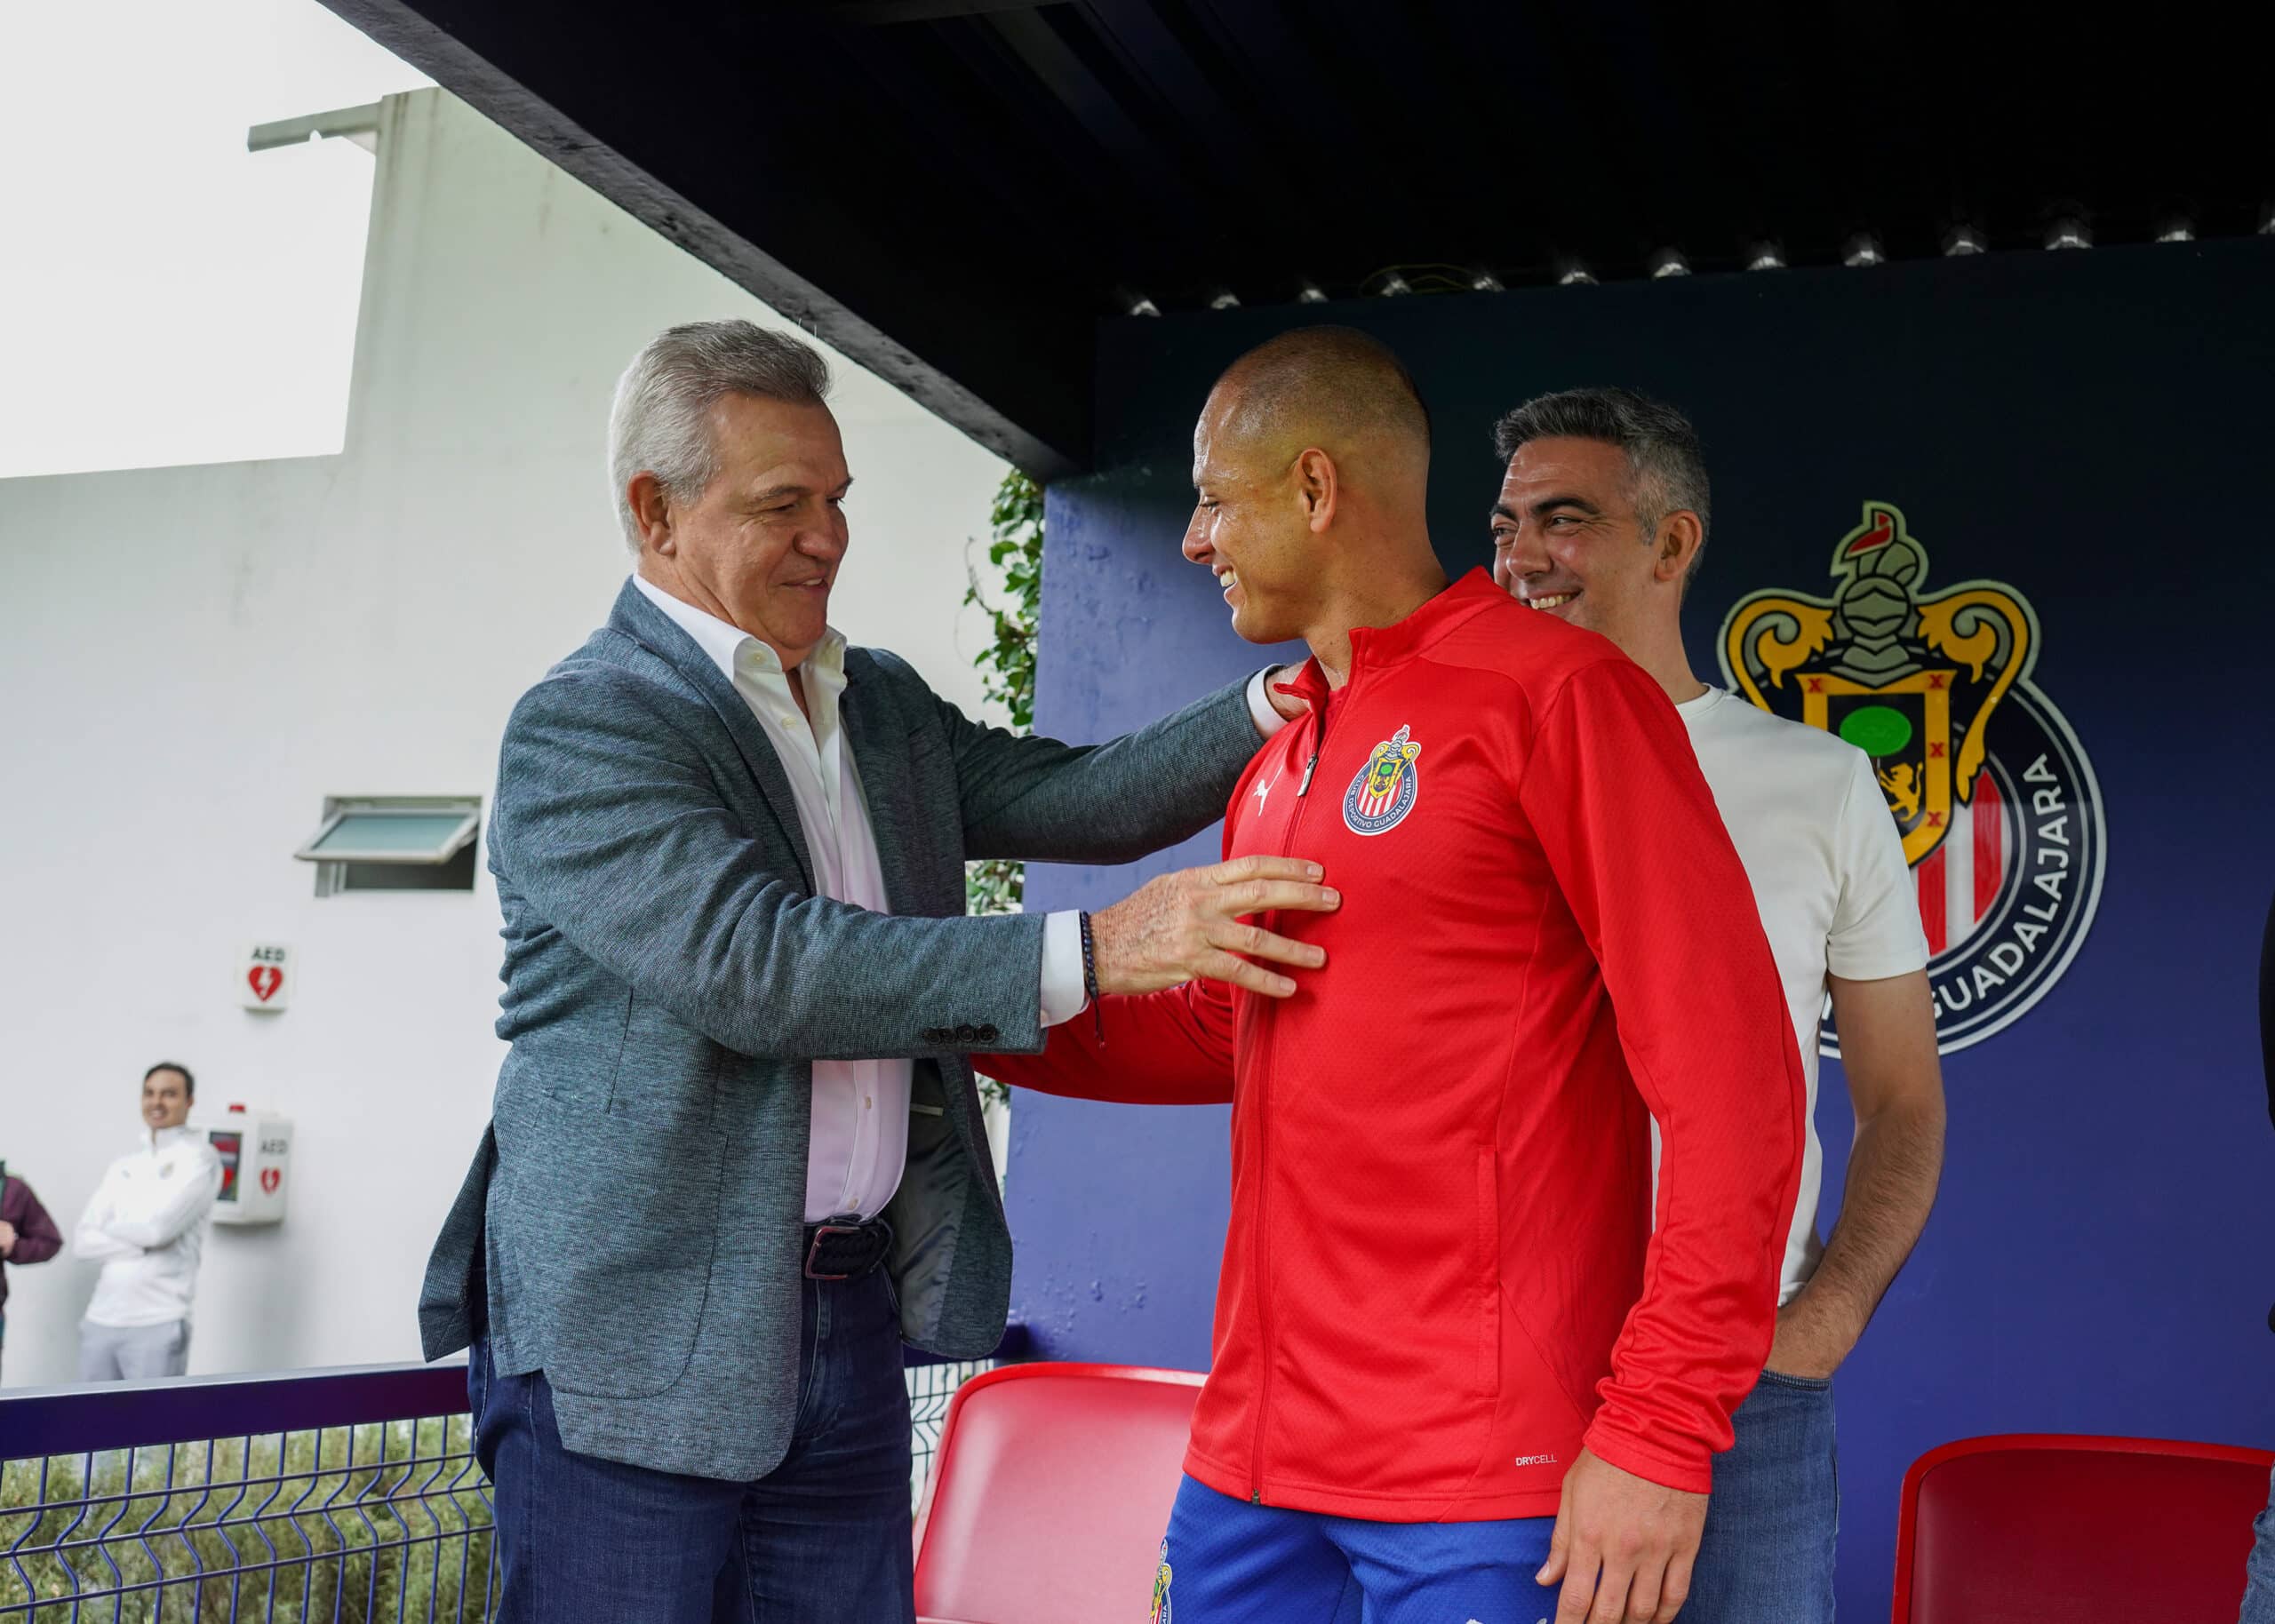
(264, 980)
(270, 1178)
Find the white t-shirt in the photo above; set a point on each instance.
(1828, 875)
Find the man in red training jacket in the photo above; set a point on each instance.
(1458, 1371)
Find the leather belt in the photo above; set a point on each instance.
(846, 1248)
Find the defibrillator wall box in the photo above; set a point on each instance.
(255, 1147)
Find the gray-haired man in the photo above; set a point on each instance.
(735, 1157)
(1601, 522)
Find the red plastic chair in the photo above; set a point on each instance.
(2031, 1528)
(1050, 1494)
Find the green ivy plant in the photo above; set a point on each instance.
(1007, 666)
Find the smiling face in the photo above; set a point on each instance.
(165, 1098)
(1252, 524)
(1568, 541)
(761, 544)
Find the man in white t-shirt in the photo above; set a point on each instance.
(146, 1224)
(1601, 518)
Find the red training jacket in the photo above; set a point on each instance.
(1441, 1277)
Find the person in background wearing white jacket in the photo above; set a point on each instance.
(146, 1226)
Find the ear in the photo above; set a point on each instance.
(1680, 538)
(652, 512)
(1318, 486)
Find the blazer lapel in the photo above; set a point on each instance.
(652, 629)
(880, 763)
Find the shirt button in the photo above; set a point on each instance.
(866, 1101)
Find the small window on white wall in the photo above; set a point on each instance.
(394, 843)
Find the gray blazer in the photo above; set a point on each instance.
(633, 1222)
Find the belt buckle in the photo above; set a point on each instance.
(822, 1231)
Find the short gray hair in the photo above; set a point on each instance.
(1666, 468)
(660, 421)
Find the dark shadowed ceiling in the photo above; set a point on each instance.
(954, 192)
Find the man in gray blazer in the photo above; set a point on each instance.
(735, 1157)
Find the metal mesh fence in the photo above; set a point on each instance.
(929, 1389)
(348, 1496)
(355, 1524)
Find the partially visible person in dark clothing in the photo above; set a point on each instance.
(2259, 1588)
(28, 1235)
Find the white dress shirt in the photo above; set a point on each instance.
(146, 1224)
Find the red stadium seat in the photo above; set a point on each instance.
(2030, 1528)
(1050, 1494)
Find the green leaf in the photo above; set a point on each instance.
(1007, 665)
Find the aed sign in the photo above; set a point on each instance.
(265, 976)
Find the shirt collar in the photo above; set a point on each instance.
(732, 648)
(166, 1138)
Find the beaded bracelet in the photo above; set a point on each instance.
(1090, 980)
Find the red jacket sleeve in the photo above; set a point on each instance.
(1173, 1047)
(37, 1239)
(1612, 789)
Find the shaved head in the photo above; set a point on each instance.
(1333, 388)
(1311, 471)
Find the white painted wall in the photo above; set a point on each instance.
(197, 655)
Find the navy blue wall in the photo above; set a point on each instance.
(2092, 427)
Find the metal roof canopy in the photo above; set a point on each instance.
(954, 192)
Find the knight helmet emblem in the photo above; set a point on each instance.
(1987, 783)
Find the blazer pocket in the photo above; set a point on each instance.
(620, 1249)
(667, 1074)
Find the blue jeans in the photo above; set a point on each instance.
(1227, 1562)
(1767, 1557)
(823, 1538)
(2259, 1592)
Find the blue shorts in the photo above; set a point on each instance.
(1227, 1562)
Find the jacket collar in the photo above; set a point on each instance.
(728, 645)
(655, 632)
(1374, 648)
(878, 749)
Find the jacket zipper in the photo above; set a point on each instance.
(1263, 1155)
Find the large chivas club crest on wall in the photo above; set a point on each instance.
(2001, 816)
